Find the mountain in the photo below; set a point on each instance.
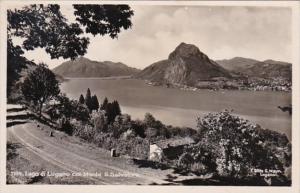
(237, 63)
(270, 69)
(255, 68)
(186, 65)
(84, 67)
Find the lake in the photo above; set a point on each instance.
(181, 108)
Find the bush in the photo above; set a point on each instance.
(121, 124)
(232, 147)
(139, 128)
(99, 120)
(69, 109)
(65, 126)
(84, 131)
(126, 143)
(198, 158)
(135, 146)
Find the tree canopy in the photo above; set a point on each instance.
(44, 26)
(236, 146)
(40, 86)
(95, 103)
(88, 99)
(16, 61)
(81, 99)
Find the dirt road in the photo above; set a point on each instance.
(66, 159)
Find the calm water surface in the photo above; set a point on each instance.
(181, 108)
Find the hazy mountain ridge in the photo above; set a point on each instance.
(186, 65)
(237, 63)
(254, 68)
(84, 67)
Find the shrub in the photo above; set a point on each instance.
(128, 134)
(134, 147)
(237, 146)
(66, 126)
(121, 124)
(99, 120)
(198, 158)
(138, 127)
(69, 109)
(84, 131)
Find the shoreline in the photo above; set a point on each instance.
(99, 78)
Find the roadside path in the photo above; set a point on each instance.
(73, 156)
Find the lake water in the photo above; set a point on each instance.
(181, 108)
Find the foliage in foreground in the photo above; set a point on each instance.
(44, 26)
(40, 86)
(230, 146)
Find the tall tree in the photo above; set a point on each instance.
(112, 111)
(44, 26)
(104, 104)
(95, 103)
(15, 63)
(88, 99)
(116, 107)
(81, 99)
(40, 86)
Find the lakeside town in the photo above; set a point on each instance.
(252, 84)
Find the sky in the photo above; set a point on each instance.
(220, 32)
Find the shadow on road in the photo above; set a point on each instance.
(24, 118)
(20, 116)
(13, 123)
(16, 109)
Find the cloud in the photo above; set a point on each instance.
(220, 32)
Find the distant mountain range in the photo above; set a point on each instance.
(186, 65)
(83, 67)
(255, 68)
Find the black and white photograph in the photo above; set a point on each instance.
(149, 94)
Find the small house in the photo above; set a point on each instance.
(169, 148)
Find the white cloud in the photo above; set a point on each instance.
(220, 32)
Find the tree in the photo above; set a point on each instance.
(112, 110)
(150, 121)
(15, 63)
(88, 99)
(104, 104)
(95, 103)
(44, 26)
(99, 121)
(116, 107)
(237, 146)
(81, 99)
(104, 19)
(110, 113)
(68, 109)
(40, 86)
